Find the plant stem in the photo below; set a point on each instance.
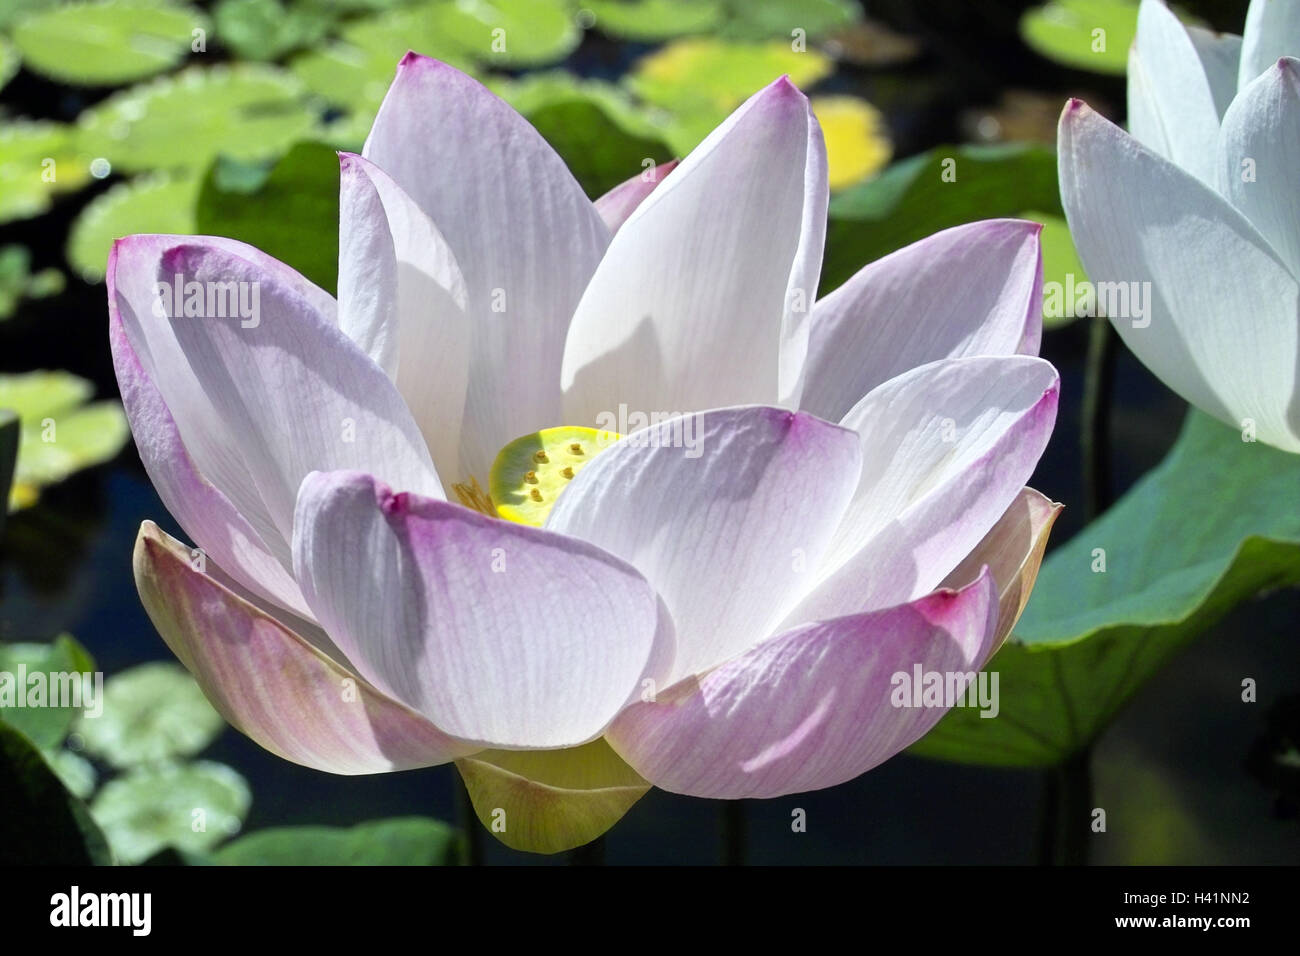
(1067, 812)
(1094, 437)
(469, 823)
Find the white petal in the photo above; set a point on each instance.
(1272, 31)
(703, 298)
(367, 270)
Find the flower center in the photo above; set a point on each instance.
(530, 472)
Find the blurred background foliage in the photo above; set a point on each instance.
(223, 117)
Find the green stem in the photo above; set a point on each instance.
(1094, 438)
(1067, 812)
(469, 824)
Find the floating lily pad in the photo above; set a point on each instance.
(59, 433)
(649, 21)
(107, 42)
(43, 824)
(151, 204)
(403, 841)
(190, 806)
(18, 282)
(38, 161)
(14, 10)
(513, 33)
(181, 122)
(1086, 34)
(290, 210)
(1121, 598)
(749, 19)
(857, 140)
(44, 725)
(267, 29)
(151, 712)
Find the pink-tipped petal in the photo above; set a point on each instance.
(703, 298)
(812, 707)
(726, 513)
(620, 202)
(497, 632)
(971, 290)
(270, 682)
(524, 233)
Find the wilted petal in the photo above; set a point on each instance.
(434, 330)
(1272, 31)
(270, 682)
(548, 801)
(621, 201)
(970, 290)
(727, 522)
(526, 236)
(1258, 149)
(703, 298)
(1013, 552)
(946, 448)
(1179, 118)
(1220, 326)
(206, 514)
(810, 708)
(498, 632)
(299, 394)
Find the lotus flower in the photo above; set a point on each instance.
(721, 619)
(1201, 203)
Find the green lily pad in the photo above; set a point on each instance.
(189, 806)
(74, 771)
(181, 122)
(1089, 639)
(403, 841)
(649, 21)
(779, 18)
(107, 42)
(38, 161)
(18, 282)
(1061, 265)
(14, 10)
(267, 29)
(56, 663)
(509, 33)
(42, 824)
(151, 712)
(160, 203)
(9, 61)
(355, 72)
(918, 197)
(1085, 34)
(290, 211)
(59, 434)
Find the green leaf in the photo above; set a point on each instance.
(267, 30)
(45, 726)
(151, 712)
(76, 772)
(1086, 34)
(403, 841)
(14, 10)
(1090, 639)
(9, 432)
(159, 203)
(648, 21)
(38, 161)
(59, 434)
(189, 806)
(182, 122)
(42, 823)
(17, 282)
(779, 18)
(9, 61)
(917, 197)
(598, 152)
(508, 33)
(1061, 266)
(107, 42)
(293, 214)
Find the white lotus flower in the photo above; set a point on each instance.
(721, 619)
(1202, 201)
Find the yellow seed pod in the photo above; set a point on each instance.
(530, 473)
